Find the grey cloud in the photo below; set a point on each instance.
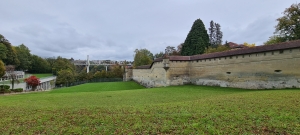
(257, 31)
(114, 29)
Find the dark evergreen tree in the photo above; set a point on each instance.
(219, 34)
(196, 41)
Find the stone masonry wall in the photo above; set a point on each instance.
(276, 69)
(154, 77)
(263, 70)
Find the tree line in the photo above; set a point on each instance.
(200, 41)
(19, 58)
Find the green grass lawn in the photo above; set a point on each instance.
(127, 108)
(43, 75)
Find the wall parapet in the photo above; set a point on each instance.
(261, 67)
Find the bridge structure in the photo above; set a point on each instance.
(88, 63)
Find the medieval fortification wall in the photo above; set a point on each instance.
(264, 67)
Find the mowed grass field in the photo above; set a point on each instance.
(43, 75)
(128, 108)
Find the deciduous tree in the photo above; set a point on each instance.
(274, 40)
(11, 56)
(62, 64)
(2, 68)
(219, 34)
(288, 26)
(249, 45)
(170, 50)
(159, 55)
(65, 77)
(3, 51)
(212, 34)
(142, 57)
(24, 56)
(220, 48)
(215, 34)
(12, 75)
(32, 81)
(117, 71)
(39, 65)
(179, 48)
(196, 41)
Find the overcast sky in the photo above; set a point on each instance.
(113, 29)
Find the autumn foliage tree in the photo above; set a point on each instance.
(33, 81)
(249, 45)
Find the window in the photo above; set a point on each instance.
(228, 73)
(281, 51)
(277, 71)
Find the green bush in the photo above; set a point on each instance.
(5, 91)
(17, 90)
(2, 90)
(220, 48)
(4, 87)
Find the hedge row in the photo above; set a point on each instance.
(5, 89)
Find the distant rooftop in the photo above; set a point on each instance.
(242, 51)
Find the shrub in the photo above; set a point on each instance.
(17, 90)
(32, 81)
(2, 90)
(220, 48)
(4, 87)
(7, 91)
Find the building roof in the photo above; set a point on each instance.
(246, 50)
(250, 50)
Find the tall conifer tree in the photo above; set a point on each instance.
(196, 41)
(212, 34)
(219, 34)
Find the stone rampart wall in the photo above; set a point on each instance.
(261, 70)
(276, 69)
(154, 77)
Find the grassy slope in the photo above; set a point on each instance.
(42, 75)
(125, 107)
